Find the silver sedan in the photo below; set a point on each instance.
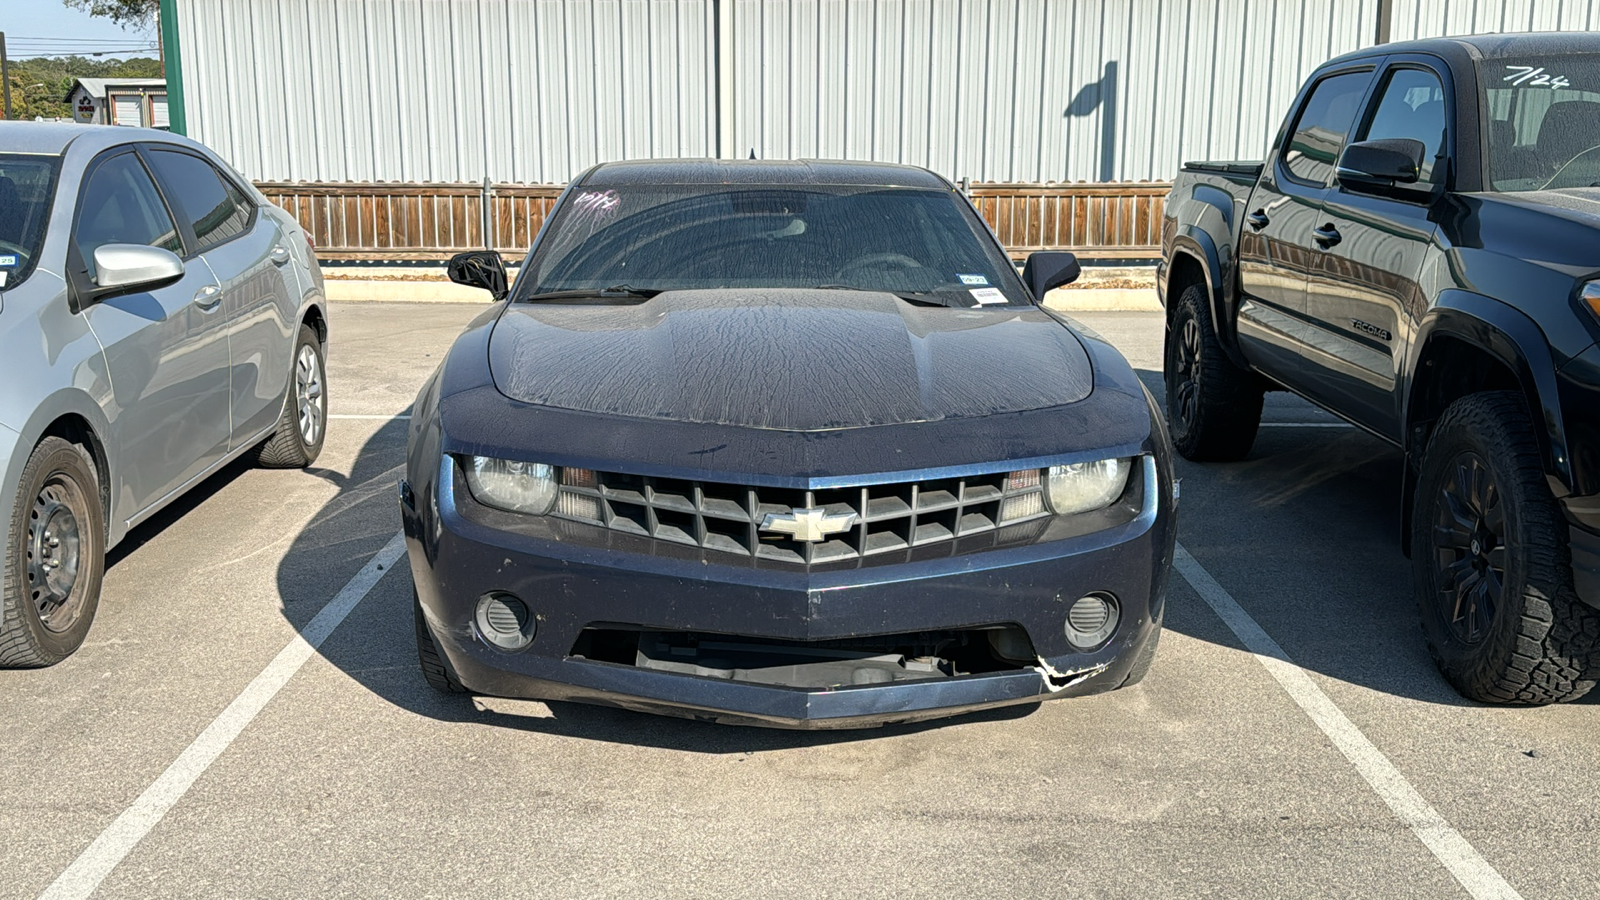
(158, 319)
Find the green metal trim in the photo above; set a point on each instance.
(176, 118)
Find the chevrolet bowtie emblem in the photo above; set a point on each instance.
(809, 525)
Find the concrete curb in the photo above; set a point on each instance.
(342, 291)
(1103, 300)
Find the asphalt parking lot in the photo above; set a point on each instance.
(1292, 740)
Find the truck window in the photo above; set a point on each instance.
(1320, 131)
(1544, 121)
(1412, 106)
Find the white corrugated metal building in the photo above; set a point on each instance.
(534, 91)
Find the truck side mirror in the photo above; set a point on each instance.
(1047, 270)
(1381, 164)
(480, 269)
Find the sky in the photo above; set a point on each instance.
(51, 28)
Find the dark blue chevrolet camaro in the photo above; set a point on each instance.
(782, 444)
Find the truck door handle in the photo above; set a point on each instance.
(1327, 235)
(280, 254)
(1258, 219)
(208, 297)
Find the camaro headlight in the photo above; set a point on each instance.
(512, 485)
(1083, 487)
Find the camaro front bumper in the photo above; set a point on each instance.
(575, 577)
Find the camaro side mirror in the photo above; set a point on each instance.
(1047, 270)
(1382, 163)
(480, 269)
(120, 268)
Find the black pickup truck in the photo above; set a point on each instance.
(1419, 254)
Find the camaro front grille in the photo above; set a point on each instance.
(858, 521)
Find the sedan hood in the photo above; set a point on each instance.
(794, 360)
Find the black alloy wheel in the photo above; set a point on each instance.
(1213, 406)
(1469, 548)
(1490, 560)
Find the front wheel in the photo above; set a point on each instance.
(55, 557)
(1490, 560)
(1213, 406)
(304, 421)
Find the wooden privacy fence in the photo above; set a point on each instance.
(417, 221)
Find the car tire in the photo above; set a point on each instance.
(1213, 406)
(55, 557)
(1146, 657)
(1492, 570)
(303, 424)
(434, 669)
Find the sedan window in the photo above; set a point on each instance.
(212, 205)
(26, 191)
(121, 206)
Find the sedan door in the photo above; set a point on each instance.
(166, 350)
(1278, 244)
(1363, 297)
(245, 251)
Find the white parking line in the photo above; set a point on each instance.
(350, 416)
(1458, 856)
(121, 836)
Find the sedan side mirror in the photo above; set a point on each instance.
(1381, 164)
(119, 268)
(1047, 270)
(480, 269)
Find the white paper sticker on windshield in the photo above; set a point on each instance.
(973, 279)
(987, 296)
(3, 278)
(9, 260)
(1535, 76)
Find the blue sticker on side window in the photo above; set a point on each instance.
(8, 260)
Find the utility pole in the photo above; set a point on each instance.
(5, 74)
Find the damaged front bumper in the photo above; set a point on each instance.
(626, 622)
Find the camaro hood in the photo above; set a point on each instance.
(794, 360)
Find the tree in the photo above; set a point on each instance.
(139, 14)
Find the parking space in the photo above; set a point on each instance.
(1215, 777)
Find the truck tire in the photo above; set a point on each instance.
(1213, 406)
(55, 557)
(434, 669)
(1492, 570)
(304, 421)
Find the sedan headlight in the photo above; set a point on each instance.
(512, 485)
(1083, 487)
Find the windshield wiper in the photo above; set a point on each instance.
(921, 298)
(615, 291)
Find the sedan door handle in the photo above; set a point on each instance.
(1258, 219)
(208, 297)
(280, 254)
(1327, 235)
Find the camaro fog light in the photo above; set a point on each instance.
(512, 485)
(1081, 487)
(1091, 621)
(505, 622)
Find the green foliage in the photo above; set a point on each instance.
(134, 13)
(39, 86)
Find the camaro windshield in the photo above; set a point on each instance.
(26, 189)
(1544, 121)
(914, 242)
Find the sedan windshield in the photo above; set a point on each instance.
(26, 189)
(1544, 121)
(635, 241)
